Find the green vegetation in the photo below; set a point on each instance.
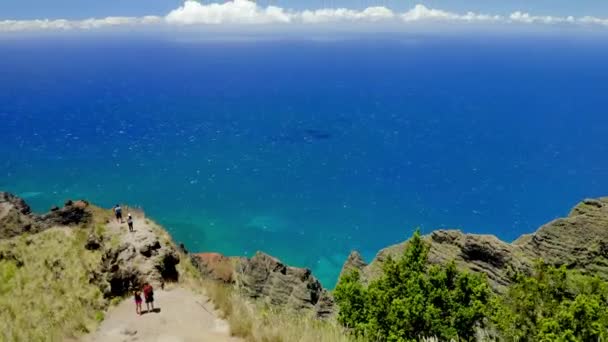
(412, 300)
(257, 322)
(45, 293)
(554, 304)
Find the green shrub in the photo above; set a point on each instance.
(412, 300)
(554, 304)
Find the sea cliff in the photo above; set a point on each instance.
(81, 252)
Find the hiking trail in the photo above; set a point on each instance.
(181, 315)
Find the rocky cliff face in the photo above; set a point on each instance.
(267, 279)
(578, 241)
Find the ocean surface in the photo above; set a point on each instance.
(307, 149)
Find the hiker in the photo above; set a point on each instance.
(149, 296)
(138, 301)
(118, 213)
(130, 222)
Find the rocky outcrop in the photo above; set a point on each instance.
(268, 279)
(15, 216)
(477, 253)
(69, 215)
(128, 259)
(137, 258)
(578, 241)
(353, 262)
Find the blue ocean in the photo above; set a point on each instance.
(309, 148)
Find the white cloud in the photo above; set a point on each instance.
(328, 15)
(245, 12)
(232, 12)
(593, 21)
(422, 13)
(531, 19)
(87, 24)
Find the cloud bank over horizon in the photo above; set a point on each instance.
(245, 12)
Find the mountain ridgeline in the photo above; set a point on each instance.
(92, 259)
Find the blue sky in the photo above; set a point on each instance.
(78, 9)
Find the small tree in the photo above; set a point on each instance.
(412, 300)
(554, 304)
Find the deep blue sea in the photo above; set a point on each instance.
(307, 149)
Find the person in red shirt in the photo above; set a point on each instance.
(148, 291)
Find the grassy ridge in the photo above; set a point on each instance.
(256, 322)
(45, 293)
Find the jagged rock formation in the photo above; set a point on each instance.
(17, 218)
(353, 262)
(267, 279)
(578, 241)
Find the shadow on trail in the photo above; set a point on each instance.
(155, 310)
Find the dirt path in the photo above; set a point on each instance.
(181, 316)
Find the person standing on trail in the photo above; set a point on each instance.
(149, 296)
(130, 222)
(118, 213)
(138, 301)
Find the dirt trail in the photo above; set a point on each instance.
(181, 315)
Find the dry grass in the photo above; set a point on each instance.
(260, 323)
(45, 293)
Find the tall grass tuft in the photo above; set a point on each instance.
(45, 293)
(256, 322)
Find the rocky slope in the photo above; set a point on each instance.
(578, 241)
(127, 259)
(265, 278)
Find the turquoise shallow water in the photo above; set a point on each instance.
(308, 149)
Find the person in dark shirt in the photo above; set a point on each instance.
(138, 301)
(130, 222)
(118, 213)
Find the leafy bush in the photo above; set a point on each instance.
(412, 300)
(554, 304)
